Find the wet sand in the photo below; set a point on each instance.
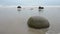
(13, 21)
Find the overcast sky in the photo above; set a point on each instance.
(29, 2)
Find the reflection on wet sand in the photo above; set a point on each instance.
(18, 9)
(37, 31)
(15, 22)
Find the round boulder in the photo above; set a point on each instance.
(38, 22)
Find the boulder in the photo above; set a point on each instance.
(38, 22)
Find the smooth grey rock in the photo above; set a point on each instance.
(38, 22)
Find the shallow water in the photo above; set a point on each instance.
(13, 21)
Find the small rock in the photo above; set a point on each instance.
(40, 7)
(19, 7)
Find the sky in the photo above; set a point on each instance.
(29, 2)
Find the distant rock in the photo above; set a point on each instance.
(40, 7)
(38, 22)
(19, 7)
